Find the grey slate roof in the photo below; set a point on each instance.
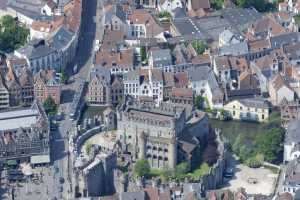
(29, 8)
(161, 54)
(199, 73)
(255, 103)
(100, 71)
(116, 10)
(36, 49)
(131, 75)
(293, 132)
(292, 173)
(61, 38)
(178, 13)
(285, 38)
(234, 49)
(132, 196)
(241, 17)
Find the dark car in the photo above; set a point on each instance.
(229, 173)
(61, 180)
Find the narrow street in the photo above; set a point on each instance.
(90, 25)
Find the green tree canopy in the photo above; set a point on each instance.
(260, 5)
(12, 34)
(217, 4)
(50, 106)
(199, 102)
(199, 46)
(141, 168)
(64, 77)
(269, 144)
(181, 170)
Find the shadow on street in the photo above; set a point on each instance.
(67, 96)
(86, 36)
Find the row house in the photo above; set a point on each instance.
(279, 90)
(118, 62)
(54, 37)
(16, 90)
(141, 24)
(113, 40)
(65, 43)
(115, 18)
(289, 111)
(117, 90)
(99, 91)
(4, 95)
(258, 48)
(174, 80)
(264, 28)
(204, 83)
(159, 58)
(144, 83)
(182, 96)
(265, 67)
(46, 84)
(39, 56)
(228, 68)
(99, 88)
(104, 88)
(41, 29)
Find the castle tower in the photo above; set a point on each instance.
(172, 153)
(142, 145)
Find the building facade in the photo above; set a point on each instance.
(150, 132)
(24, 135)
(46, 84)
(248, 110)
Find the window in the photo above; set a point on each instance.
(262, 116)
(233, 113)
(241, 108)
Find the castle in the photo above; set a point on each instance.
(159, 134)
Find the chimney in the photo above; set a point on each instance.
(120, 55)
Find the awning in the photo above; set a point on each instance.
(40, 159)
(11, 162)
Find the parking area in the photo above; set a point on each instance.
(41, 185)
(255, 181)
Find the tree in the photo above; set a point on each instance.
(260, 5)
(199, 102)
(199, 46)
(269, 144)
(210, 154)
(254, 161)
(141, 168)
(164, 14)
(181, 170)
(88, 148)
(64, 77)
(200, 171)
(12, 34)
(217, 4)
(143, 54)
(50, 106)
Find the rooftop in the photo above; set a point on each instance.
(293, 132)
(25, 118)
